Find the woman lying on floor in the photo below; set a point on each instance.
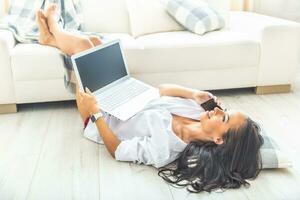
(209, 150)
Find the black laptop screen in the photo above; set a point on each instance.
(101, 67)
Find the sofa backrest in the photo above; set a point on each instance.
(106, 16)
(111, 16)
(222, 6)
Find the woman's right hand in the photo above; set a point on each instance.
(89, 101)
(203, 96)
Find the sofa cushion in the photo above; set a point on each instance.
(38, 62)
(150, 17)
(127, 41)
(185, 51)
(196, 16)
(105, 16)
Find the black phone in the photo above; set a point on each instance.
(210, 105)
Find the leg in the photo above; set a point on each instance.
(69, 43)
(272, 89)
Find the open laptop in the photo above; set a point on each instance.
(103, 70)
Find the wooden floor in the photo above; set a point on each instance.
(44, 156)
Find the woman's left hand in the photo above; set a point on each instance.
(203, 96)
(89, 101)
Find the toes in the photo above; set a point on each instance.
(42, 15)
(37, 14)
(38, 17)
(51, 8)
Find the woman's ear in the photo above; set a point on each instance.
(218, 140)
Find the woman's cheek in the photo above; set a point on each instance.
(208, 127)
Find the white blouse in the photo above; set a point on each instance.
(147, 138)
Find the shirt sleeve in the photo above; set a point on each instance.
(142, 150)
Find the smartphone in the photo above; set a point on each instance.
(210, 105)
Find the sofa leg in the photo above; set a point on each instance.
(273, 89)
(8, 108)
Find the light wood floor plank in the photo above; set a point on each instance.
(20, 144)
(68, 167)
(121, 180)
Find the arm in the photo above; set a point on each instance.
(184, 92)
(110, 140)
(176, 91)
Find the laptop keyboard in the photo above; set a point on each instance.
(117, 96)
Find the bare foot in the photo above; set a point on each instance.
(51, 15)
(45, 37)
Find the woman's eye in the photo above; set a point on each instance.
(225, 118)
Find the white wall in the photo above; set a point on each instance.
(288, 9)
(1, 8)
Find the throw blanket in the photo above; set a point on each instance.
(21, 17)
(21, 22)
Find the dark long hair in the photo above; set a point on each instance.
(206, 166)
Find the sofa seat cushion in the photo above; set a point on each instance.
(39, 62)
(185, 51)
(127, 41)
(36, 62)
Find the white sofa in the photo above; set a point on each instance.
(252, 51)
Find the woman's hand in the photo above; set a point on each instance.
(203, 96)
(89, 101)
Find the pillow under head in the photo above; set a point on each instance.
(272, 156)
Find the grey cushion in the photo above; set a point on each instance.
(195, 15)
(272, 156)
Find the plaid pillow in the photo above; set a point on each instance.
(272, 156)
(195, 15)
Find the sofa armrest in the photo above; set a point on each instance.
(280, 45)
(7, 43)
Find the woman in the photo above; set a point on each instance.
(210, 150)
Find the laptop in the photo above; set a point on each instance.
(104, 71)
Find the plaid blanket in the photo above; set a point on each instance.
(21, 17)
(21, 22)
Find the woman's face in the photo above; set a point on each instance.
(217, 122)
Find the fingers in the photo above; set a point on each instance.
(210, 95)
(88, 90)
(81, 93)
(218, 103)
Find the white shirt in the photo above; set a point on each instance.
(147, 138)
